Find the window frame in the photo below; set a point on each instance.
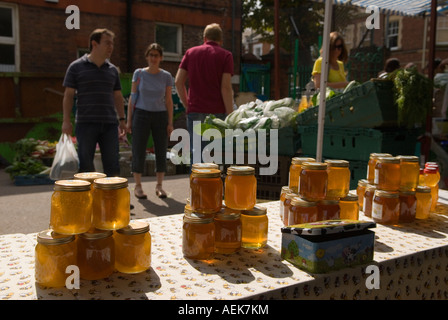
(443, 28)
(396, 34)
(14, 40)
(171, 56)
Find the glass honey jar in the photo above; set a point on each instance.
(368, 199)
(371, 165)
(227, 231)
(386, 207)
(71, 207)
(424, 199)
(111, 203)
(302, 211)
(338, 178)
(254, 228)
(388, 174)
(349, 207)
(294, 171)
(198, 236)
(206, 190)
(240, 188)
(360, 190)
(89, 176)
(408, 205)
(54, 252)
(432, 178)
(328, 209)
(286, 207)
(313, 181)
(410, 170)
(285, 190)
(133, 247)
(96, 254)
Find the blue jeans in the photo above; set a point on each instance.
(106, 135)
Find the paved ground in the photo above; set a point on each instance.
(26, 209)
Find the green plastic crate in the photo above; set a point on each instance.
(359, 143)
(369, 105)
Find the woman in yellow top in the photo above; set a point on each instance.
(337, 57)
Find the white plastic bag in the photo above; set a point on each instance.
(66, 161)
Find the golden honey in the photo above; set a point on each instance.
(206, 190)
(302, 211)
(328, 210)
(313, 181)
(338, 178)
(71, 207)
(286, 207)
(408, 205)
(410, 170)
(53, 254)
(424, 199)
(432, 178)
(283, 193)
(254, 224)
(96, 254)
(294, 172)
(227, 231)
(388, 174)
(371, 165)
(111, 203)
(198, 236)
(240, 188)
(133, 248)
(368, 199)
(349, 207)
(360, 190)
(386, 207)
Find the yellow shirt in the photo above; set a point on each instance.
(333, 75)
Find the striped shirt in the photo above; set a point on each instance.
(95, 88)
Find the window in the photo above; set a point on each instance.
(393, 32)
(442, 30)
(257, 49)
(9, 48)
(169, 36)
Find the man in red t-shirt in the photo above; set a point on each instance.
(209, 69)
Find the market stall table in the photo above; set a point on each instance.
(412, 259)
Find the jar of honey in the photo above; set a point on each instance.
(294, 171)
(368, 199)
(432, 178)
(313, 181)
(408, 205)
(96, 254)
(328, 209)
(386, 207)
(302, 211)
(54, 252)
(133, 247)
(254, 228)
(372, 163)
(360, 190)
(111, 203)
(71, 207)
(349, 206)
(227, 231)
(198, 236)
(206, 190)
(285, 190)
(338, 178)
(89, 176)
(424, 200)
(410, 170)
(240, 188)
(286, 207)
(388, 174)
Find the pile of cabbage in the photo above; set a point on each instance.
(271, 114)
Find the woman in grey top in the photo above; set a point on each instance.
(150, 110)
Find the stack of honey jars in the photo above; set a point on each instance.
(317, 191)
(213, 226)
(90, 228)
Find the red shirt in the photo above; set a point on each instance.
(205, 65)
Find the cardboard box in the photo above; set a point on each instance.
(325, 246)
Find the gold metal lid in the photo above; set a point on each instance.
(363, 182)
(423, 189)
(286, 189)
(407, 192)
(378, 155)
(291, 195)
(386, 194)
(72, 185)
(206, 173)
(89, 176)
(194, 217)
(408, 158)
(337, 163)
(227, 213)
(299, 202)
(96, 234)
(328, 202)
(204, 165)
(370, 187)
(349, 197)
(110, 183)
(300, 160)
(389, 159)
(314, 165)
(240, 170)
(135, 227)
(49, 237)
(255, 211)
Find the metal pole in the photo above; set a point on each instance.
(276, 52)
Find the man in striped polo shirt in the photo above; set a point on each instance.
(100, 105)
